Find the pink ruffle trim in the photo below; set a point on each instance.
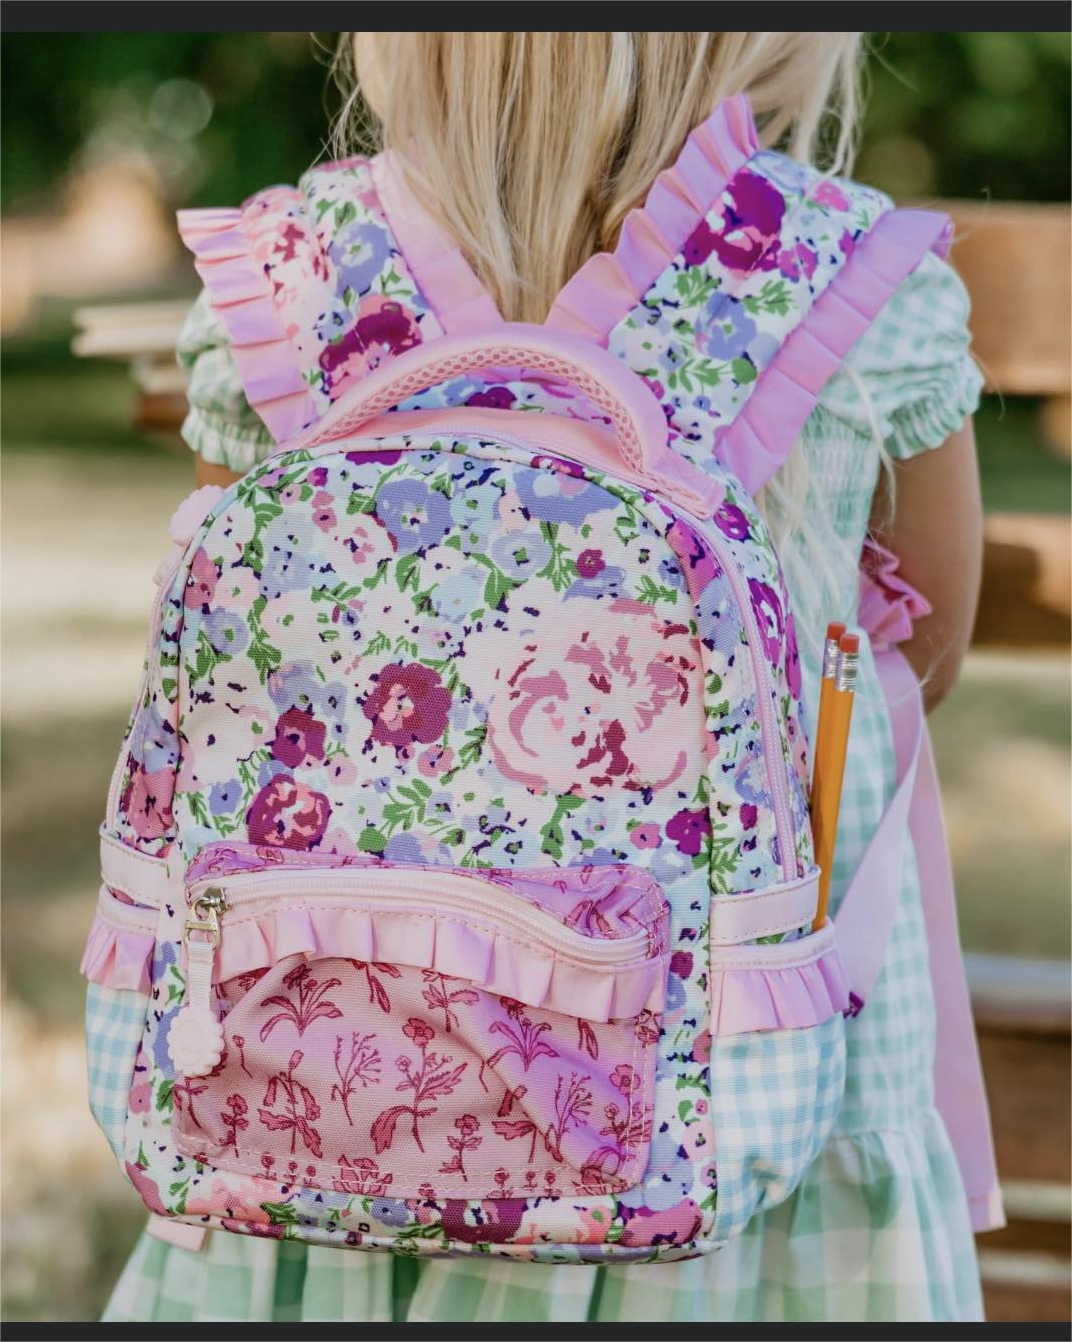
(240, 293)
(754, 446)
(118, 957)
(788, 986)
(427, 940)
(888, 604)
(608, 286)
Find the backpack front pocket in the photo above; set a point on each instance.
(419, 1032)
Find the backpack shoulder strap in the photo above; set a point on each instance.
(312, 288)
(739, 287)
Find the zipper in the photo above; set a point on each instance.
(211, 901)
(771, 736)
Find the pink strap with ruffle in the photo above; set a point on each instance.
(865, 917)
(608, 286)
(758, 441)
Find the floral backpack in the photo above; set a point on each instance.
(457, 869)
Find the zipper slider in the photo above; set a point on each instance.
(204, 917)
(195, 1040)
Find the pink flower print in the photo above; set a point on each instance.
(433, 1078)
(681, 964)
(512, 512)
(435, 761)
(361, 1178)
(796, 261)
(234, 1120)
(701, 1049)
(466, 1140)
(323, 513)
(287, 814)
(590, 563)
(384, 327)
(749, 815)
(299, 737)
(593, 703)
(310, 1006)
(408, 704)
(829, 193)
(625, 1078)
(341, 770)
(300, 1108)
(370, 541)
(689, 829)
(146, 802)
(362, 1066)
(200, 582)
(421, 1033)
(645, 836)
(768, 612)
(318, 477)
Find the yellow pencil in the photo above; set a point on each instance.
(830, 768)
(834, 631)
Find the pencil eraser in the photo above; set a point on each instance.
(834, 630)
(849, 643)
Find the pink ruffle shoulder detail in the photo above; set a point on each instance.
(608, 286)
(224, 257)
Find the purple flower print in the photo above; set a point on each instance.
(295, 685)
(724, 328)
(768, 612)
(359, 253)
(792, 658)
(688, 829)
(414, 515)
(495, 398)
(224, 798)
(408, 704)
(520, 554)
(749, 815)
(732, 522)
(561, 496)
(298, 737)
(226, 631)
(797, 261)
(609, 581)
(752, 220)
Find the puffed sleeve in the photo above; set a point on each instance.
(914, 361)
(220, 426)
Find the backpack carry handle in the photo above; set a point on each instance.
(638, 419)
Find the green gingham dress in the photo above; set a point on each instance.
(878, 1229)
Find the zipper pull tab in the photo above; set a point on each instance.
(195, 1040)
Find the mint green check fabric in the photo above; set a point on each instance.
(878, 1230)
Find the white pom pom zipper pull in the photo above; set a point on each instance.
(195, 1040)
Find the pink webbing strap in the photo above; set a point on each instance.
(865, 919)
(639, 423)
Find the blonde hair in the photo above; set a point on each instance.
(533, 147)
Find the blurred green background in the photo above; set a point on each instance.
(103, 136)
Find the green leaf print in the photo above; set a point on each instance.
(553, 837)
